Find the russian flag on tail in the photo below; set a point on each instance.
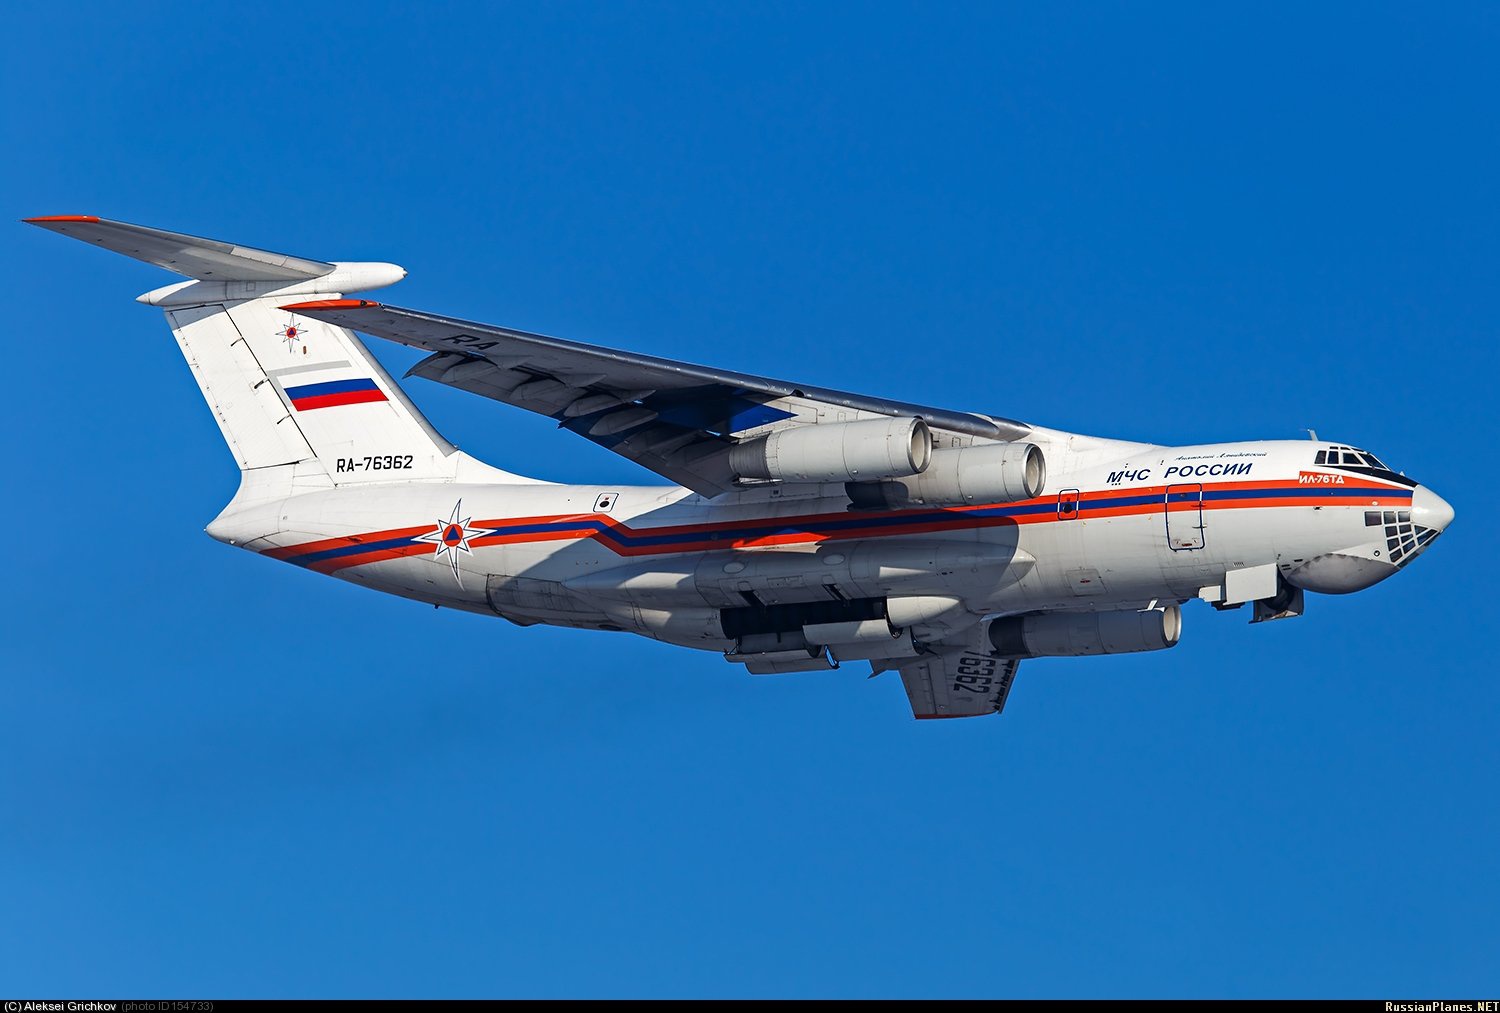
(335, 392)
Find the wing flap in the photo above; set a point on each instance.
(613, 418)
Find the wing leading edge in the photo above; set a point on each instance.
(675, 418)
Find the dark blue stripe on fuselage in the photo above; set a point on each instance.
(349, 550)
(853, 522)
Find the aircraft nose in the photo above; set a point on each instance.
(1429, 510)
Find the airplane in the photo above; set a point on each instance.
(804, 528)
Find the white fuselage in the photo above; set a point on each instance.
(1119, 526)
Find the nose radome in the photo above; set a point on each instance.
(1430, 510)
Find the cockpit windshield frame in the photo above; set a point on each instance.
(1349, 457)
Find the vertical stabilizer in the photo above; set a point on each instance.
(293, 396)
(286, 389)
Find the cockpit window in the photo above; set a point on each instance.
(1349, 457)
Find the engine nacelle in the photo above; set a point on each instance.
(1075, 634)
(808, 659)
(836, 452)
(987, 473)
(688, 627)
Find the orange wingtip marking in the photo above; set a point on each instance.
(62, 218)
(330, 304)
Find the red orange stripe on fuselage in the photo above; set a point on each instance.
(331, 554)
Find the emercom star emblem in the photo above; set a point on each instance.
(452, 537)
(291, 334)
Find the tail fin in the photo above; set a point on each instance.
(289, 393)
(286, 389)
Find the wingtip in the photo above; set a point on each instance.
(52, 219)
(330, 304)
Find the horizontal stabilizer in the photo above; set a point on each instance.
(204, 259)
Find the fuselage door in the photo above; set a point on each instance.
(1067, 505)
(1184, 506)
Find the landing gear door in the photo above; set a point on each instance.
(1184, 510)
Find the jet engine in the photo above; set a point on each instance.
(836, 452)
(987, 473)
(1074, 634)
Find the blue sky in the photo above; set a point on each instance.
(224, 777)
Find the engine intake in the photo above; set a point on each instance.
(1075, 634)
(836, 452)
(987, 473)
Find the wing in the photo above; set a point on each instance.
(958, 684)
(675, 418)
